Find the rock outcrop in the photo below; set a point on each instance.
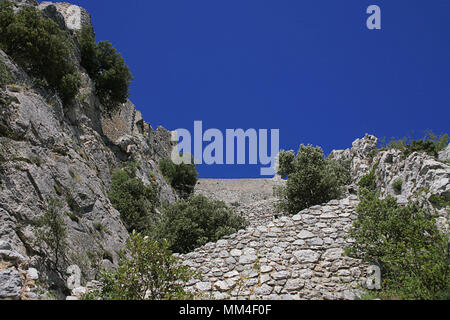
(67, 15)
(421, 175)
(444, 155)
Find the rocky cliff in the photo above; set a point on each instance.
(48, 150)
(422, 176)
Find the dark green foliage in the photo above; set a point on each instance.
(286, 163)
(440, 201)
(52, 236)
(72, 216)
(369, 181)
(312, 179)
(147, 271)
(135, 201)
(114, 78)
(69, 85)
(431, 144)
(372, 154)
(100, 227)
(89, 60)
(440, 142)
(182, 177)
(397, 186)
(71, 202)
(188, 224)
(421, 145)
(40, 47)
(107, 68)
(5, 75)
(406, 243)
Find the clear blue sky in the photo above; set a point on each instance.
(308, 67)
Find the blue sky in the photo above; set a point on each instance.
(308, 67)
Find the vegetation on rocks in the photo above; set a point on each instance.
(188, 224)
(312, 179)
(135, 201)
(106, 67)
(397, 185)
(407, 245)
(52, 236)
(430, 144)
(182, 177)
(147, 271)
(369, 181)
(5, 75)
(40, 47)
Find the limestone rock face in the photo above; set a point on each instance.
(444, 155)
(10, 284)
(23, 3)
(358, 155)
(48, 150)
(67, 15)
(420, 174)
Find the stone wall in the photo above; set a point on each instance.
(251, 198)
(293, 257)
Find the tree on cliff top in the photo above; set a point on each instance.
(39, 47)
(106, 67)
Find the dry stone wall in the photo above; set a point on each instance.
(293, 257)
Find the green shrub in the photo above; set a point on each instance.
(431, 144)
(89, 61)
(69, 86)
(312, 179)
(188, 224)
(71, 202)
(52, 236)
(106, 67)
(440, 201)
(40, 47)
(406, 243)
(182, 177)
(286, 163)
(397, 186)
(5, 75)
(147, 271)
(100, 227)
(369, 181)
(72, 216)
(135, 201)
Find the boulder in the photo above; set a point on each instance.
(306, 256)
(10, 284)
